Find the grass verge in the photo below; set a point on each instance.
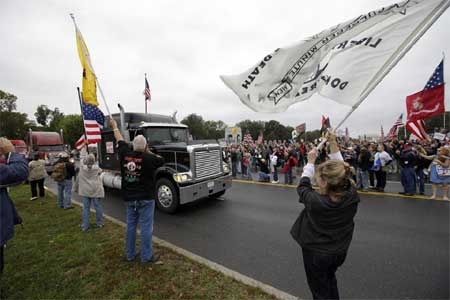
(51, 258)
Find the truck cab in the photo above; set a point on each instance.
(192, 169)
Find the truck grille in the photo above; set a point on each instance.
(207, 163)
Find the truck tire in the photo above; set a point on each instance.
(219, 194)
(166, 196)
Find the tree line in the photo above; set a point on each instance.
(15, 125)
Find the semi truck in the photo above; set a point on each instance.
(192, 169)
(47, 144)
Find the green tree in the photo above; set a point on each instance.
(7, 102)
(56, 118)
(42, 114)
(196, 126)
(14, 125)
(276, 131)
(72, 126)
(252, 127)
(215, 129)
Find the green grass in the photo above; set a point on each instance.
(51, 258)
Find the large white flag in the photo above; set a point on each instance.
(343, 63)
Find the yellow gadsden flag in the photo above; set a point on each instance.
(89, 85)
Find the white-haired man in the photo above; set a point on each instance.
(137, 168)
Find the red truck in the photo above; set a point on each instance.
(21, 147)
(47, 144)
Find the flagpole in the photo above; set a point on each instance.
(95, 76)
(145, 98)
(443, 75)
(80, 99)
(395, 58)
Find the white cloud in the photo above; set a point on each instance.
(184, 46)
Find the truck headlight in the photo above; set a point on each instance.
(226, 167)
(181, 177)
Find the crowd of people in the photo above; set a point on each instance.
(339, 169)
(415, 161)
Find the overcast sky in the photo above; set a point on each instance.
(184, 46)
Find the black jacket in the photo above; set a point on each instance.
(137, 170)
(324, 226)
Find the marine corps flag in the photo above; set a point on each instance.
(430, 101)
(343, 63)
(89, 85)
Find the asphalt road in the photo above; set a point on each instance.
(400, 248)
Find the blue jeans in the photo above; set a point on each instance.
(421, 180)
(86, 212)
(141, 211)
(408, 179)
(362, 179)
(288, 176)
(264, 177)
(64, 193)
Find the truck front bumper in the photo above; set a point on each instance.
(204, 189)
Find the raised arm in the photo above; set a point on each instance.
(117, 134)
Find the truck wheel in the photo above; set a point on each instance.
(166, 196)
(219, 194)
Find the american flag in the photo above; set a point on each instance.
(394, 129)
(437, 78)
(418, 128)
(94, 120)
(248, 139)
(80, 143)
(147, 94)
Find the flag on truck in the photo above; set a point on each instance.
(147, 93)
(343, 63)
(430, 101)
(94, 121)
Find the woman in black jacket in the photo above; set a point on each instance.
(324, 228)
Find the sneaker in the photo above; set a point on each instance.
(153, 260)
(69, 207)
(100, 225)
(33, 198)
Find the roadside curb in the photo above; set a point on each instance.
(212, 265)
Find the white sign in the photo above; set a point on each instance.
(439, 136)
(109, 147)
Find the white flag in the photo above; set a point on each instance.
(343, 63)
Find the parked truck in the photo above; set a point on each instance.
(48, 145)
(192, 169)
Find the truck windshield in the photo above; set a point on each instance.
(163, 135)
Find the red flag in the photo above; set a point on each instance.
(417, 128)
(426, 103)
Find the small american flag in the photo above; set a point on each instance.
(248, 139)
(394, 129)
(147, 94)
(94, 120)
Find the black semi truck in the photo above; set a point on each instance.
(192, 169)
